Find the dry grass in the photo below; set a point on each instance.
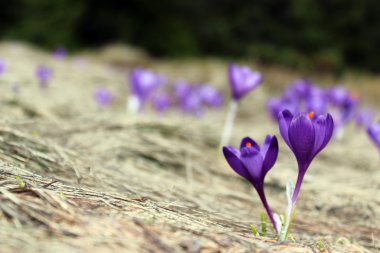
(73, 179)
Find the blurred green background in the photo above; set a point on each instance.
(319, 35)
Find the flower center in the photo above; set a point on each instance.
(248, 144)
(311, 115)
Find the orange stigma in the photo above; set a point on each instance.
(248, 144)
(311, 115)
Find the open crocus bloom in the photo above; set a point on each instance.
(374, 133)
(253, 162)
(306, 135)
(242, 80)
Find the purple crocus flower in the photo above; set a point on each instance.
(192, 103)
(242, 80)
(365, 117)
(144, 82)
(2, 66)
(343, 105)
(60, 53)
(188, 98)
(181, 89)
(161, 102)
(253, 162)
(103, 97)
(306, 136)
(44, 74)
(210, 96)
(374, 133)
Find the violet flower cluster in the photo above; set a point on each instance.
(195, 99)
(305, 134)
(148, 88)
(302, 95)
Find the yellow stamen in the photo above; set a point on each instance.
(311, 115)
(248, 144)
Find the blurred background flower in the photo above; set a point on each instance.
(103, 97)
(44, 74)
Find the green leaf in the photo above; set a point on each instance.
(263, 225)
(254, 230)
(291, 238)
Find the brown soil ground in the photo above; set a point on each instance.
(76, 179)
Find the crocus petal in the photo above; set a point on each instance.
(232, 76)
(253, 80)
(253, 162)
(284, 119)
(270, 155)
(245, 143)
(232, 156)
(374, 133)
(302, 138)
(265, 146)
(324, 127)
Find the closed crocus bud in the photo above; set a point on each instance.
(306, 135)
(103, 97)
(242, 80)
(253, 162)
(44, 74)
